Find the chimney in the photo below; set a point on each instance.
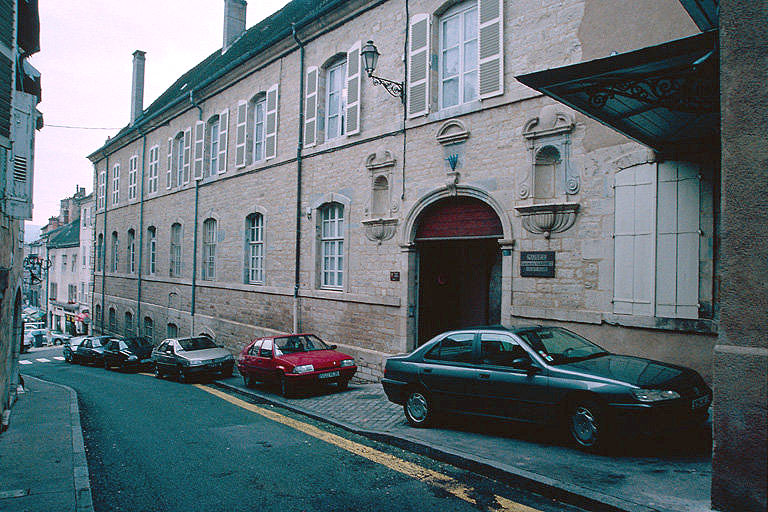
(234, 21)
(137, 85)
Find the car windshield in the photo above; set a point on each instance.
(136, 343)
(300, 343)
(560, 346)
(200, 343)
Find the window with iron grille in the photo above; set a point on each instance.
(175, 256)
(209, 249)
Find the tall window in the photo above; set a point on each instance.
(172, 331)
(112, 320)
(63, 263)
(259, 109)
(209, 249)
(131, 251)
(335, 100)
(154, 159)
(73, 266)
(175, 255)
(128, 329)
(255, 248)
(458, 55)
(54, 289)
(149, 329)
(115, 251)
(102, 194)
(213, 146)
(116, 184)
(332, 244)
(98, 313)
(71, 293)
(179, 149)
(133, 165)
(151, 249)
(100, 253)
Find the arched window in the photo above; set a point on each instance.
(131, 251)
(98, 314)
(151, 249)
(112, 320)
(544, 174)
(175, 254)
(335, 99)
(457, 69)
(149, 329)
(128, 327)
(115, 251)
(332, 245)
(209, 249)
(172, 331)
(100, 253)
(254, 257)
(380, 203)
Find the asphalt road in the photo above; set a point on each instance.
(157, 445)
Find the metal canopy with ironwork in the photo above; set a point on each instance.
(665, 96)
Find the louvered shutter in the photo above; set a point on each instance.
(634, 240)
(353, 89)
(677, 278)
(240, 130)
(169, 169)
(418, 66)
(199, 148)
(223, 130)
(491, 48)
(310, 111)
(18, 186)
(270, 133)
(187, 148)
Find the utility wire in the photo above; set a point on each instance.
(77, 127)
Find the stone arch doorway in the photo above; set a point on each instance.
(458, 265)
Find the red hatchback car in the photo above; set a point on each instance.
(295, 360)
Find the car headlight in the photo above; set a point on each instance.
(654, 395)
(132, 358)
(348, 362)
(303, 368)
(196, 363)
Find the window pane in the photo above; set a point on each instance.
(451, 63)
(470, 56)
(470, 24)
(451, 31)
(470, 86)
(451, 92)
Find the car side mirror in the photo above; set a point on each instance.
(523, 363)
(334, 347)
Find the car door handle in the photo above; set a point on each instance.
(484, 376)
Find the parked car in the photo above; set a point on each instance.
(36, 337)
(544, 375)
(293, 361)
(89, 350)
(188, 357)
(128, 353)
(58, 337)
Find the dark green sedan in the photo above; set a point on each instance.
(545, 375)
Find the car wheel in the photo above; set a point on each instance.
(182, 376)
(343, 384)
(158, 373)
(418, 408)
(226, 374)
(585, 425)
(286, 390)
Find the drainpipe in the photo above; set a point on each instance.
(196, 105)
(405, 95)
(194, 257)
(299, 148)
(141, 231)
(104, 247)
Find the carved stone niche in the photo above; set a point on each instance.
(550, 177)
(380, 223)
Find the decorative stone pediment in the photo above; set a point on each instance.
(378, 230)
(379, 224)
(380, 160)
(452, 131)
(550, 121)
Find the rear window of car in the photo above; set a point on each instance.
(455, 347)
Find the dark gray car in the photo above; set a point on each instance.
(543, 375)
(187, 357)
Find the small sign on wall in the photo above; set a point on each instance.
(394, 276)
(537, 264)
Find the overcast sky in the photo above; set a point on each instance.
(85, 61)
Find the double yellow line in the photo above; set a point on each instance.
(405, 467)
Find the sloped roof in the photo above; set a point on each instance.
(65, 236)
(253, 41)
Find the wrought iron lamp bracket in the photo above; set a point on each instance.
(395, 89)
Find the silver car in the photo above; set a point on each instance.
(188, 357)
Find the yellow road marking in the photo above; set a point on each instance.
(390, 461)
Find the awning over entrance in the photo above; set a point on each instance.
(665, 96)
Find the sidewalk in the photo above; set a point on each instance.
(42, 456)
(670, 474)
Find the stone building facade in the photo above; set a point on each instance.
(415, 218)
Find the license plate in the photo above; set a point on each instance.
(329, 375)
(699, 402)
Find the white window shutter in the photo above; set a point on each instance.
(418, 66)
(199, 148)
(353, 89)
(624, 234)
(270, 132)
(223, 130)
(491, 48)
(240, 132)
(187, 150)
(169, 169)
(19, 179)
(310, 110)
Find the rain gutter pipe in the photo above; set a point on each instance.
(141, 231)
(194, 258)
(299, 149)
(104, 246)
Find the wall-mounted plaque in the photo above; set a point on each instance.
(394, 276)
(537, 263)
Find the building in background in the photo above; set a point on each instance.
(85, 285)
(19, 118)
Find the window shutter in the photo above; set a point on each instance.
(187, 147)
(310, 111)
(242, 121)
(18, 186)
(353, 89)
(634, 240)
(418, 66)
(270, 133)
(491, 48)
(199, 148)
(169, 169)
(223, 129)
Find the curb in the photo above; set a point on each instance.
(545, 486)
(82, 484)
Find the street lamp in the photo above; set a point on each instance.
(370, 55)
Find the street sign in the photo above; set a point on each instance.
(537, 264)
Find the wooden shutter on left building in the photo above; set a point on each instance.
(353, 89)
(270, 133)
(491, 48)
